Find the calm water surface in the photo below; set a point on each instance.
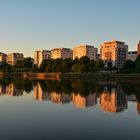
(76, 110)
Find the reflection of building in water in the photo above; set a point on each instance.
(131, 98)
(82, 102)
(39, 94)
(2, 90)
(60, 98)
(138, 107)
(12, 91)
(114, 100)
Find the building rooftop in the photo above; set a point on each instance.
(115, 41)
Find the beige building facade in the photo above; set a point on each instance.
(85, 50)
(138, 48)
(115, 52)
(39, 56)
(61, 53)
(12, 58)
(3, 57)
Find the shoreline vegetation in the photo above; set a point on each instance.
(72, 76)
(59, 69)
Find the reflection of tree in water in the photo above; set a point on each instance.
(25, 85)
(84, 88)
(132, 89)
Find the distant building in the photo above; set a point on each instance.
(132, 55)
(115, 52)
(138, 48)
(12, 58)
(39, 56)
(3, 57)
(61, 53)
(85, 50)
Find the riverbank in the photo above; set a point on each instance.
(71, 76)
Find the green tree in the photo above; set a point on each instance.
(82, 69)
(27, 62)
(75, 68)
(99, 64)
(43, 65)
(84, 60)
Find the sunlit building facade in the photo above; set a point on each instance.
(39, 56)
(115, 52)
(3, 57)
(85, 50)
(61, 53)
(138, 48)
(12, 58)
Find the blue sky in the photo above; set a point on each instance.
(28, 25)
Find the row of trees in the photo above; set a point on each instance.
(82, 65)
(131, 66)
(25, 65)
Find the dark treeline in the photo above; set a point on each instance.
(82, 65)
(132, 67)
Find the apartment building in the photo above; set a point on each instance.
(138, 48)
(132, 55)
(85, 50)
(115, 52)
(2, 57)
(12, 58)
(61, 53)
(39, 56)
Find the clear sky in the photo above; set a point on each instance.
(28, 25)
